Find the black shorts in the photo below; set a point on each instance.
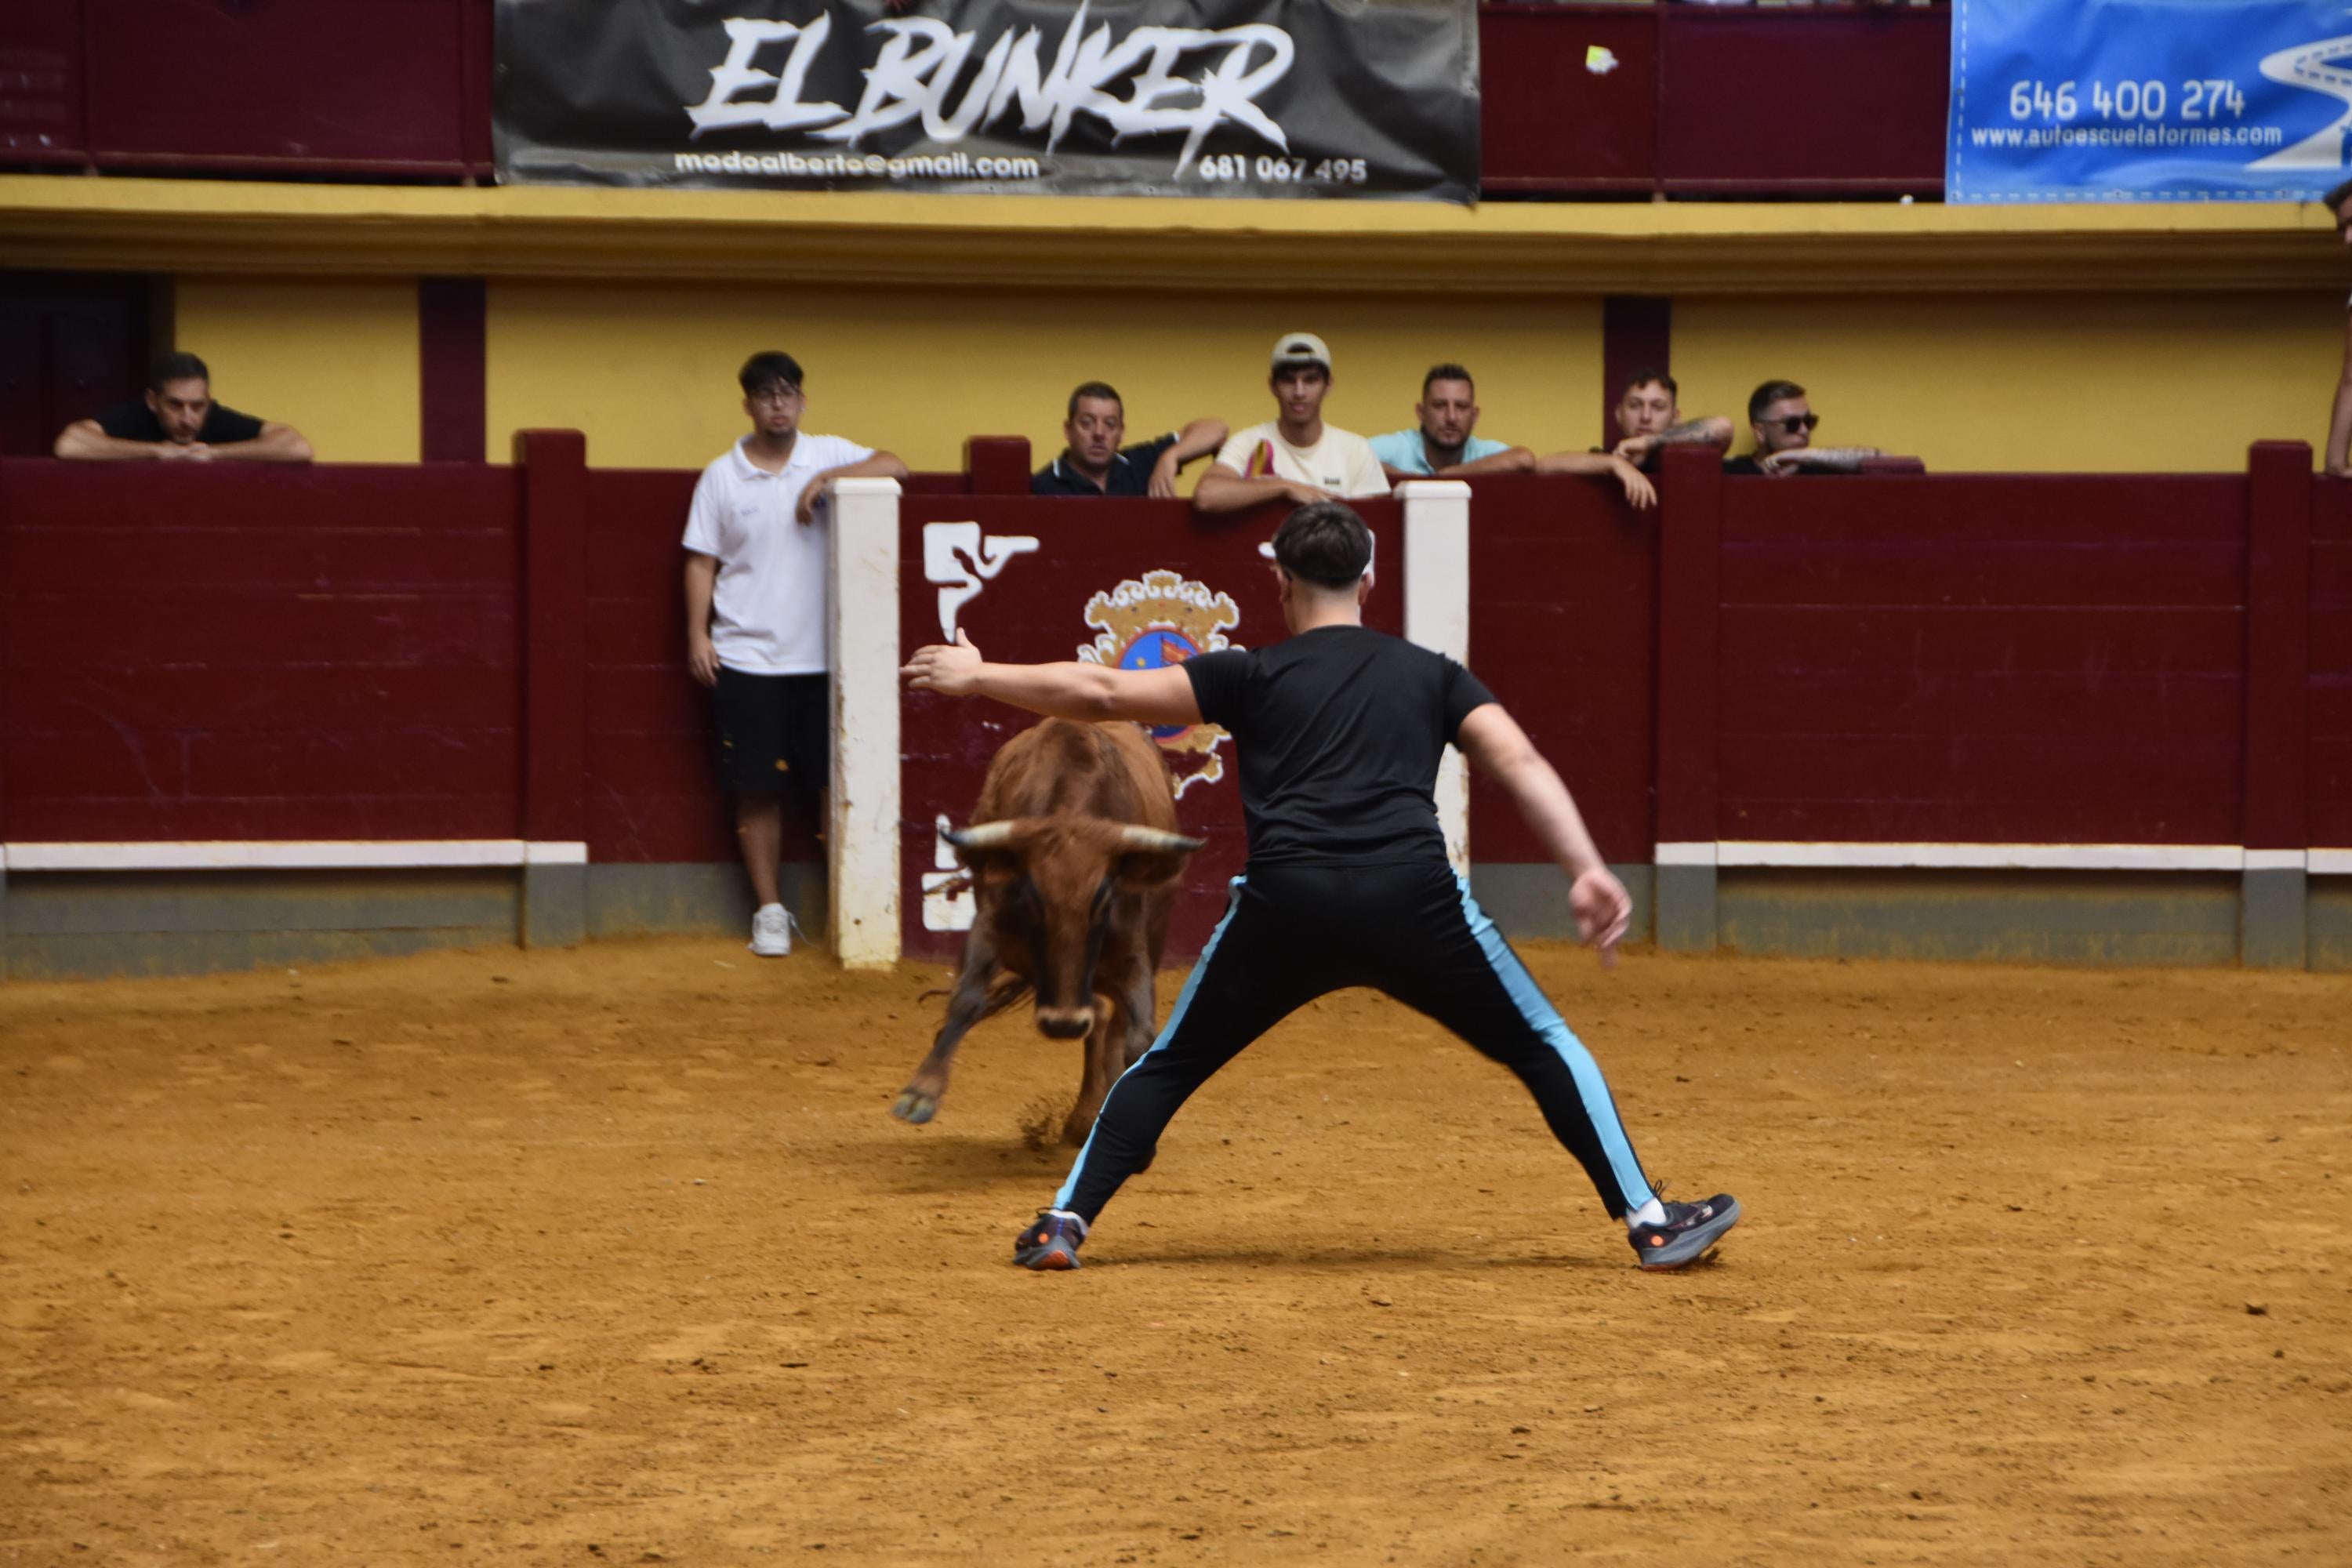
(775, 732)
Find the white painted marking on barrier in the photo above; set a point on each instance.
(287, 855)
(963, 560)
(947, 887)
(1690, 854)
(1985, 856)
(2330, 863)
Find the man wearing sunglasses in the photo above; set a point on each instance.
(1783, 422)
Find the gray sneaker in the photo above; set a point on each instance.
(1688, 1231)
(772, 931)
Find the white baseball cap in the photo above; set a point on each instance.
(1300, 348)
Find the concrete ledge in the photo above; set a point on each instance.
(97, 924)
(691, 900)
(2328, 930)
(2273, 916)
(2030, 917)
(1531, 901)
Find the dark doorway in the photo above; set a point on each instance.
(70, 344)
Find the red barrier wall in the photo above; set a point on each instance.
(1982, 660)
(2330, 713)
(1563, 630)
(457, 651)
(243, 652)
(1035, 609)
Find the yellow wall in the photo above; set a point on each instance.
(649, 370)
(2153, 383)
(336, 358)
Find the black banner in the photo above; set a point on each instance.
(1193, 98)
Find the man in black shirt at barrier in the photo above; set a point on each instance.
(179, 419)
(1339, 731)
(1093, 463)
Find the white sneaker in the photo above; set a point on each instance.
(772, 931)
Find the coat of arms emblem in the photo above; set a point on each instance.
(1162, 620)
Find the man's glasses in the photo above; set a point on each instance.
(1797, 422)
(776, 394)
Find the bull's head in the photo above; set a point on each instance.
(1052, 886)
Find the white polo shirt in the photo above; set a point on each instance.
(768, 612)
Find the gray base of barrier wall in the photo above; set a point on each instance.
(77, 925)
(1532, 900)
(2273, 914)
(91, 925)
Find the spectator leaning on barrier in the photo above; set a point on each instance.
(757, 542)
(1093, 463)
(179, 420)
(1650, 418)
(2340, 418)
(1784, 424)
(1444, 442)
(1443, 446)
(1293, 457)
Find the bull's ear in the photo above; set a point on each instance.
(1150, 858)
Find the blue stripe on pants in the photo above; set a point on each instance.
(1545, 1020)
(1184, 1000)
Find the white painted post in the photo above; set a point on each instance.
(1437, 616)
(863, 638)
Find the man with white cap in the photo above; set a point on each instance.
(1293, 457)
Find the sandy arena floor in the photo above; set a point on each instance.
(615, 1257)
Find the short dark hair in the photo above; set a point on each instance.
(1101, 389)
(768, 367)
(175, 367)
(2334, 198)
(1770, 393)
(1642, 377)
(1324, 543)
(1449, 371)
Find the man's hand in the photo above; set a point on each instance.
(1163, 475)
(1603, 909)
(702, 658)
(949, 671)
(1304, 494)
(1635, 449)
(1638, 490)
(194, 452)
(2339, 470)
(816, 489)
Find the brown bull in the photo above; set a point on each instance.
(1074, 856)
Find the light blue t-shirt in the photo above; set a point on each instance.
(1403, 450)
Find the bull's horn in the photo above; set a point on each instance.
(983, 836)
(1156, 840)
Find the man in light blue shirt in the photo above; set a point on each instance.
(1443, 444)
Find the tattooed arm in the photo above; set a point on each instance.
(1714, 430)
(1820, 459)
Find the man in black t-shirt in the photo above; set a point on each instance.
(179, 419)
(1095, 464)
(1339, 731)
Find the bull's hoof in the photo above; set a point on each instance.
(913, 1105)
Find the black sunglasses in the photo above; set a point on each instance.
(1796, 421)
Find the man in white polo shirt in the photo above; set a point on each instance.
(758, 539)
(1293, 457)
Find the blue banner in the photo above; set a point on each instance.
(2149, 100)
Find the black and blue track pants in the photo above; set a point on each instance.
(1291, 933)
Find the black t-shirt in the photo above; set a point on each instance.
(1130, 473)
(1341, 730)
(137, 422)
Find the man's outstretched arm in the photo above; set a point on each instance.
(1496, 746)
(1069, 690)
